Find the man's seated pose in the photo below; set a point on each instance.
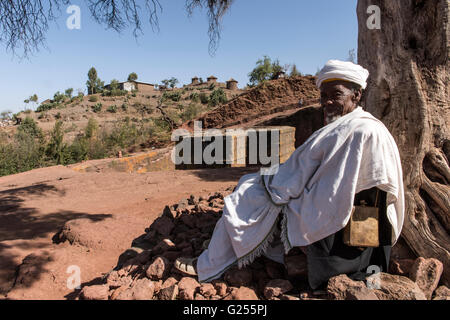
(309, 200)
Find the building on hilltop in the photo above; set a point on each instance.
(195, 80)
(134, 85)
(232, 84)
(211, 79)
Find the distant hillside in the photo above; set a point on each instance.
(271, 97)
(179, 104)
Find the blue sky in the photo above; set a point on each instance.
(307, 33)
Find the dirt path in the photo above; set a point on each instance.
(116, 207)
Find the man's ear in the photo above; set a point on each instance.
(357, 96)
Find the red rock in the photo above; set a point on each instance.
(296, 266)
(169, 282)
(163, 225)
(198, 296)
(124, 294)
(158, 285)
(361, 293)
(392, 287)
(214, 210)
(207, 290)
(442, 293)
(193, 200)
(276, 287)
(238, 277)
(169, 289)
(216, 195)
(426, 273)
(221, 287)
(243, 293)
(187, 287)
(114, 280)
(202, 208)
(143, 289)
(401, 267)
(217, 203)
(158, 269)
(343, 288)
(168, 293)
(96, 292)
(183, 204)
(114, 294)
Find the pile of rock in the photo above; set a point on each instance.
(146, 271)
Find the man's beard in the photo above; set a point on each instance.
(329, 118)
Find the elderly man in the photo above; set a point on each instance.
(309, 200)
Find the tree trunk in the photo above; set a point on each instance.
(408, 90)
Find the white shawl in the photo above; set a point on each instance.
(315, 188)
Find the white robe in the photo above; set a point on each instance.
(313, 190)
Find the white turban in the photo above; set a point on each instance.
(342, 70)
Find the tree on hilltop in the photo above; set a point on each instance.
(94, 84)
(265, 70)
(132, 76)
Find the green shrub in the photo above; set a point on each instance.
(174, 96)
(190, 112)
(204, 99)
(57, 150)
(29, 127)
(45, 107)
(218, 96)
(25, 152)
(93, 99)
(112, 109)
(114, 93)
(59, 97)
(212, 86)
(142, 108)
(124, 107)
(97, 108)
(194, 97)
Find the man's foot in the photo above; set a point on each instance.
(186, 265)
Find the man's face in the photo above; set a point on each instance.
(337, 99)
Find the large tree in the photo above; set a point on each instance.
(408, 90)
(24, 23)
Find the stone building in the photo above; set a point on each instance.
(232, 84)
(211, 79)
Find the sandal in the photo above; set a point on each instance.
(186, 265)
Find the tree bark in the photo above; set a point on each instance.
(408, 90)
